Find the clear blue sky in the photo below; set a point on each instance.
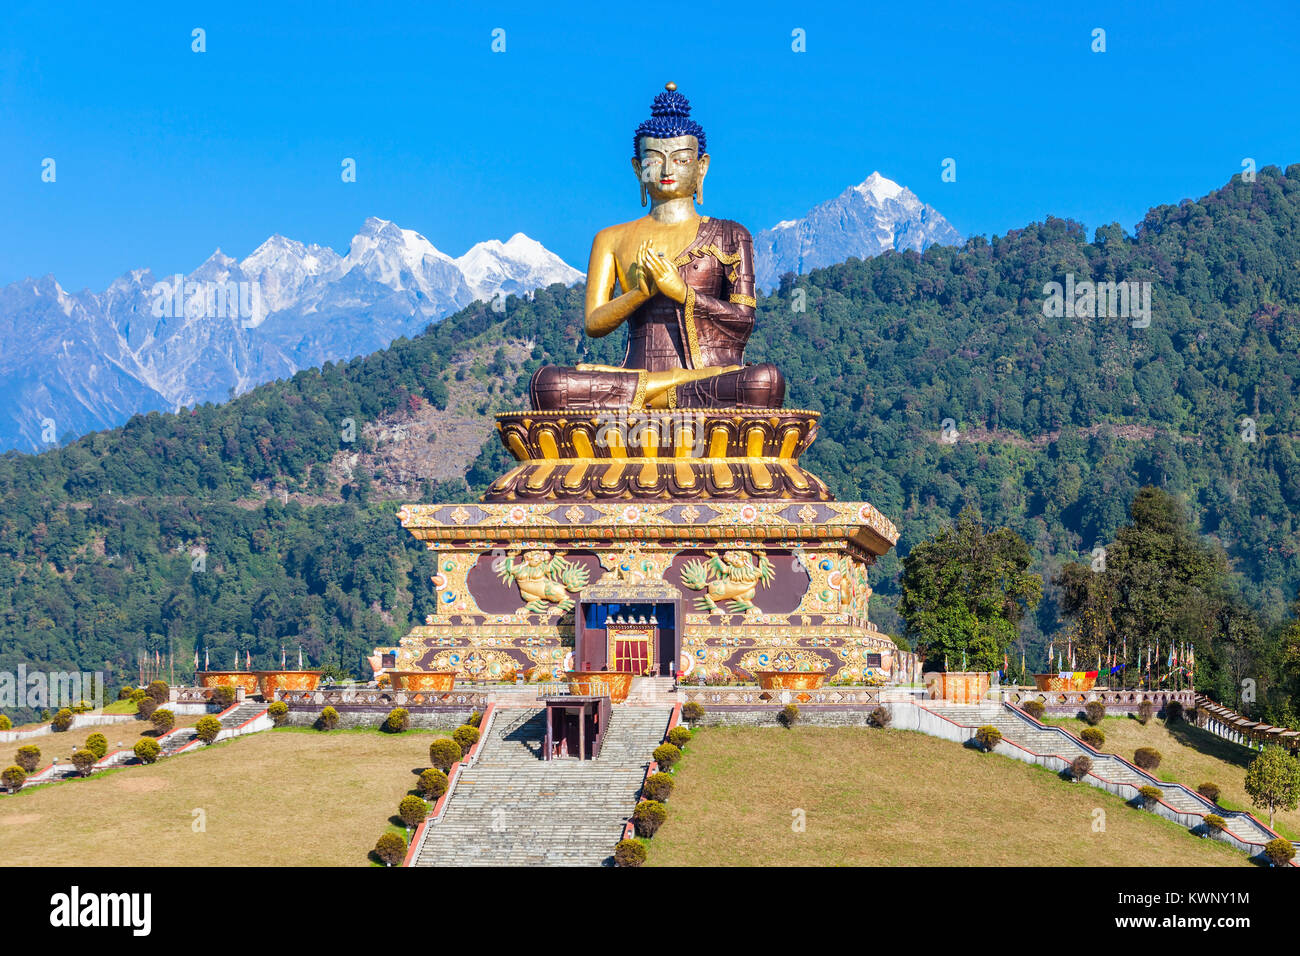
(164, 154)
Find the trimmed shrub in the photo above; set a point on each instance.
(1034, 708)
(278, 712)
(136, 695)
(1094, 737)
(648, 817)
(444, 752)
(147, 750)
(692, 713)
(207, 728)
(433, 784)
(412, 810)
(1173, 712)
(13, 778)
(629, 853)
(125, 693)
(1215, 822)
(789, 716)
(97, 744)
(5, 722)
(475, 719)
(391, 848)
(879, 718)
(666, 755)
(397, 721)
(1210, 791)
(1148, 758)
(159, 691)
(83, 760)
(163, 720)
(1094, 712)
(145, 707)
(29, 757)
(62, 720)
(1279, 851)
(988, 737)
(328, 719)
(82, 707)
(224, 695)
(1150, 795)
(658, 786)
(465, 737)
(1081, 767)
(1145, 710)
(679, 737)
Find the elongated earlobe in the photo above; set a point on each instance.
(643, 194)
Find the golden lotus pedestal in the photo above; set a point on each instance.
(612, 684)
(423, 681)
(790, 680)
(237, 679)
(678, 454)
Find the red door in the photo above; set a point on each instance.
(632, 653)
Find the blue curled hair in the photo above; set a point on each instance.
(670, 115)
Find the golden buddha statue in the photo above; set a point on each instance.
(686, 291)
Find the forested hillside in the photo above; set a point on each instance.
(1058, 422)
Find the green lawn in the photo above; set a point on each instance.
(898, 798)
(268, 799)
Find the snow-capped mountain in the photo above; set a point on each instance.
(513, 267)
(865, 220)
(70, 364)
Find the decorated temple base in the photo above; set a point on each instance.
(691, 589)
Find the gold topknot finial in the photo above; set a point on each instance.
(670, 87)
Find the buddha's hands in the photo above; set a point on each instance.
(638, 277)
(662, 272)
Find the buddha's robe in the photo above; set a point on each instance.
(704, 338)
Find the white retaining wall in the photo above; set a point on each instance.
(79, 722)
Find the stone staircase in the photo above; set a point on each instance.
(1040, 739)
(169, 745)
(511, 808)
(652, 690)
(178, 740)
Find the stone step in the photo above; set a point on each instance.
(513, 808)
(1043, 740)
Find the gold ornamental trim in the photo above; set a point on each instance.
(692, 336)
(857, 522)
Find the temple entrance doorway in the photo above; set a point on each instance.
(631, 629)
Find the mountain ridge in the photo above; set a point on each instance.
(875, 216)
(151, 343)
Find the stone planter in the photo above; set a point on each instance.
(615, 684)
(245, 679)
(1055, 682)
(272, 681)
(790, 680)
(958, 687)
(423, 681)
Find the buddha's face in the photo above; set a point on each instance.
(670, 168)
